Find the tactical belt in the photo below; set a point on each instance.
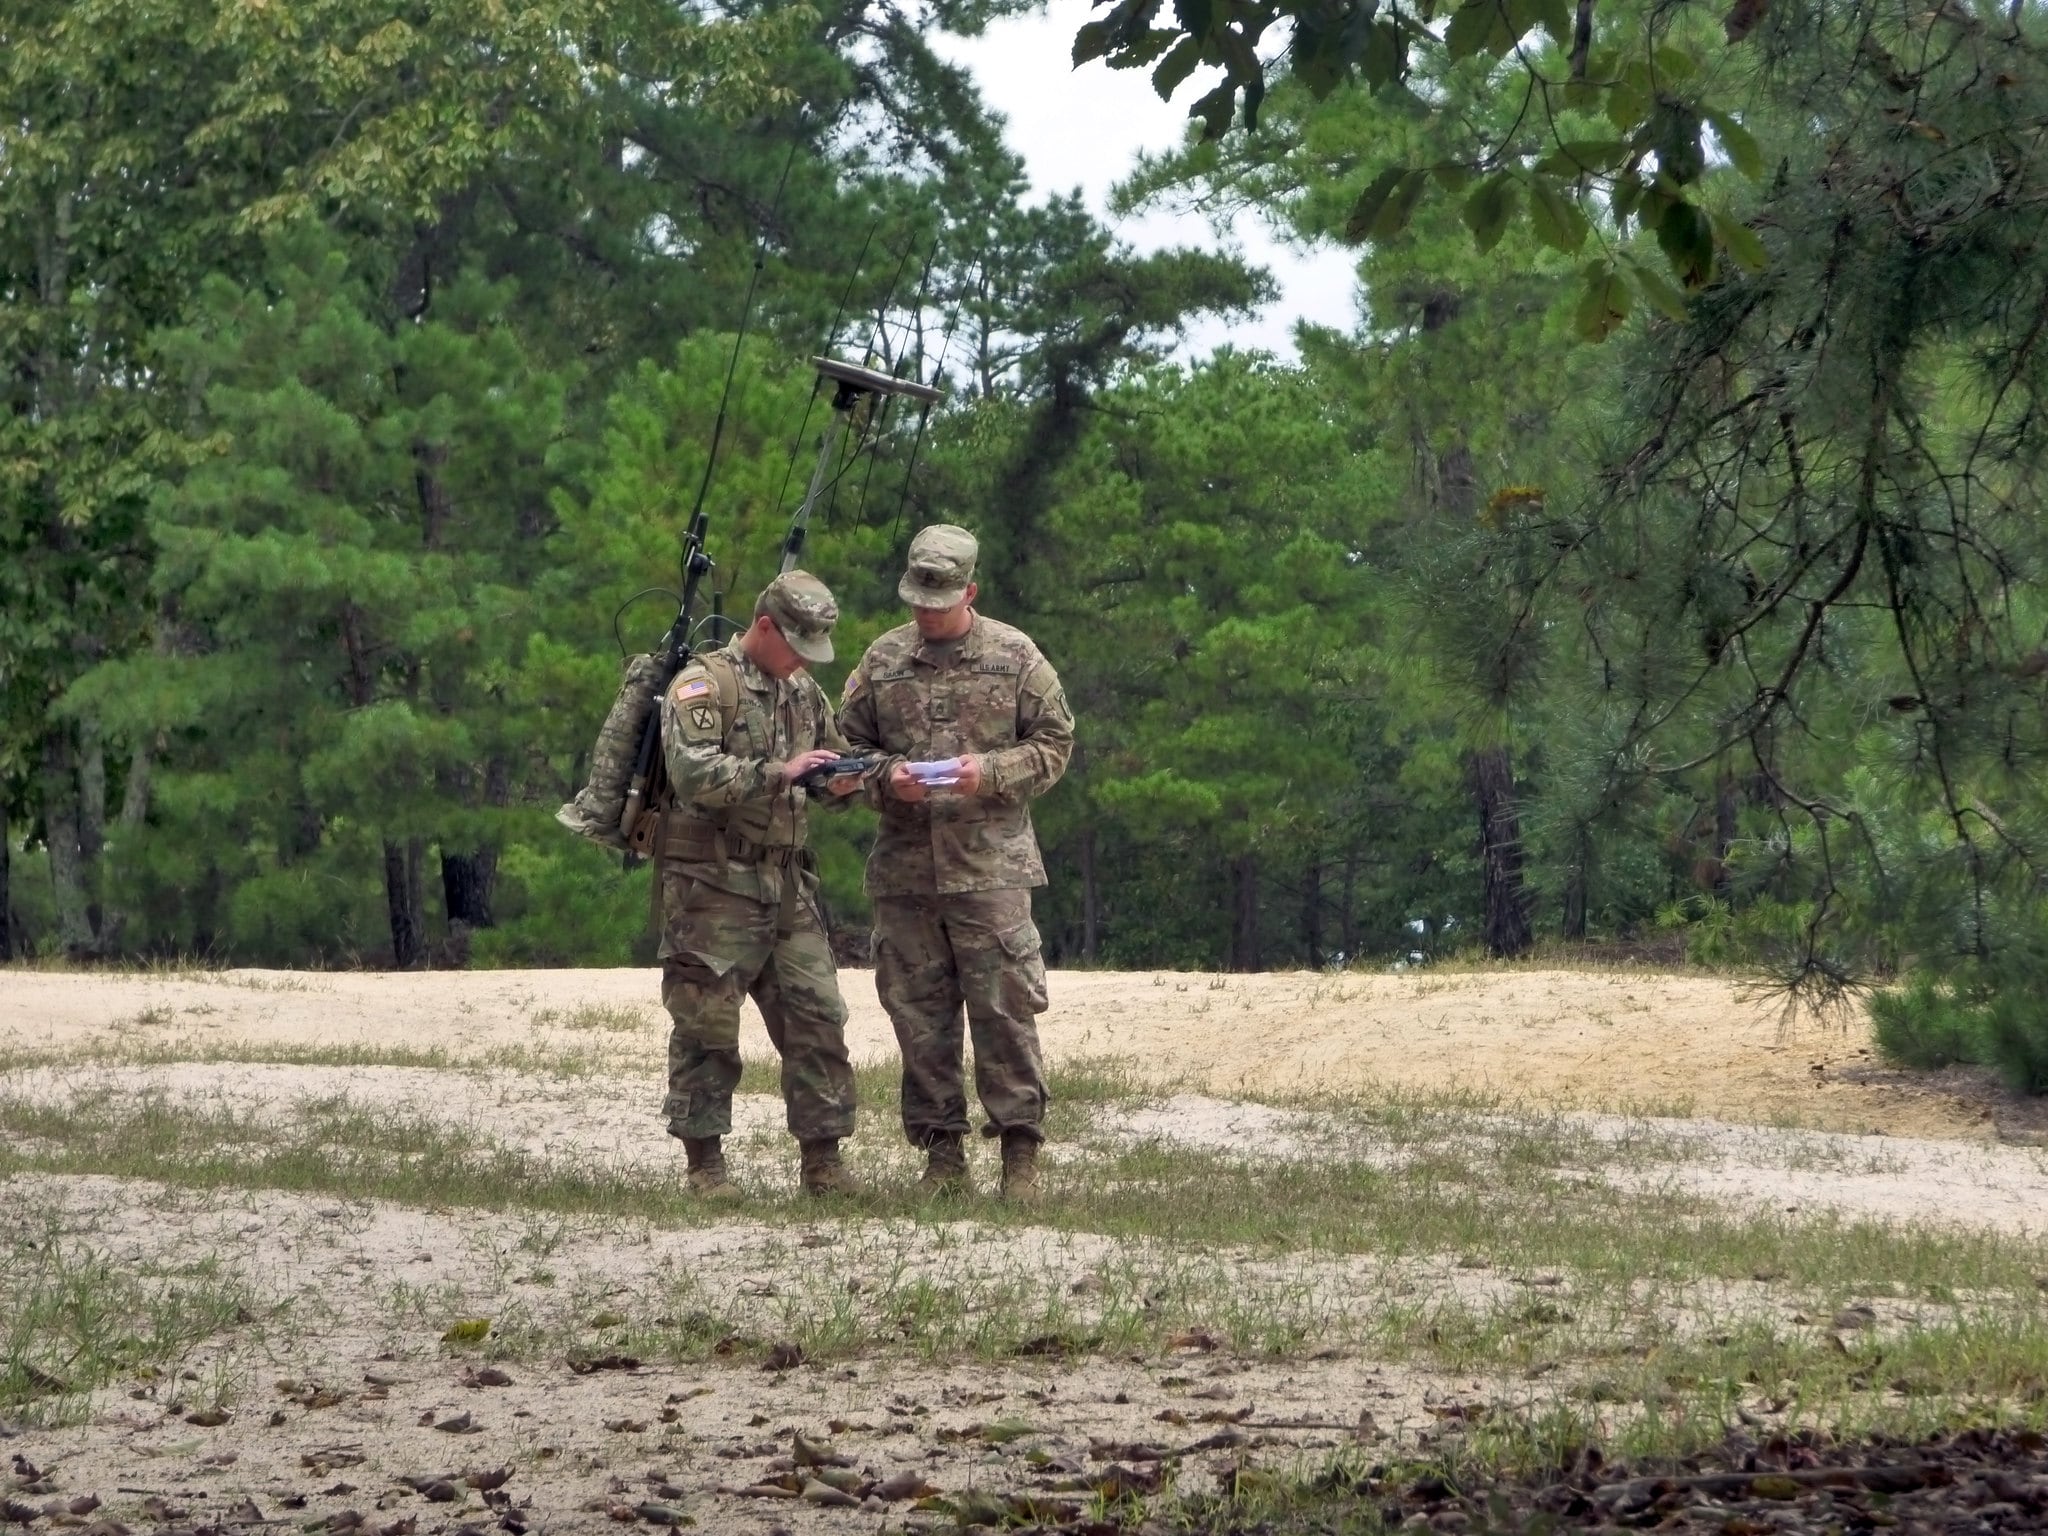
(700, 842)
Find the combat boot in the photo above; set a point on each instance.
(706, 1178)
(1020, 1168)
(823, 1172)
(945, 1165)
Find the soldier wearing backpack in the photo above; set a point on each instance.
(740, 726)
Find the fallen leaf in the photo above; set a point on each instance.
(1003, 1431)
(783, 1357)
(489, 1376)
(459, 1424)
(42, 1380)
(468, 1330)
(816, 1492)
(484, 1482)
(1120, 1482)
(974, 1507)
(207, 1418)
(625, 1426)
(806, 1452)
(1195, 1338)
(904, 1485)
(584, 1365)
(1121, 1450)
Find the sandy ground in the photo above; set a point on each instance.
(347, 1398)
(1617, 1041)
(344, 1401)
(607, 1121)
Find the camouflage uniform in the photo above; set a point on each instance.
(740, 898)
(951, 875)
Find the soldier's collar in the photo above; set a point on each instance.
(966, 648)
(750, 675)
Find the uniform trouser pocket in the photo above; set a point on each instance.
(976, 952)
(798, 994)
(719, 947)
(915, 981)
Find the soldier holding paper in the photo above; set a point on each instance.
(955, 860)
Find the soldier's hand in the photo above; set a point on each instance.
(804, 762)
(903, 786)
(969, 782)
(844, 784)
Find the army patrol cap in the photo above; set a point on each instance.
(941, 567)
(804, 610)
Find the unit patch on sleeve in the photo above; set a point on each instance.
(702, 718)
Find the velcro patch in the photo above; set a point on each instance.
(702, 718)
(691, 688)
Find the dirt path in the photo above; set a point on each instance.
(1617, 1041)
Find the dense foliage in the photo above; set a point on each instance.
(365, 360)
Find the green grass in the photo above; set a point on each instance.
(608, 1018)
(1510, 1200)
(72, 1319)
(558, 1062)
(1440, 1233)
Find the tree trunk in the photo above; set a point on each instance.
(135, 792)
(205, 901)
(469, 879)
(404, 898)
(92, 829)
(1244, 904)
(1091, 900)
(6, 881)
(466, 880)
(1505, 930)
(1312, 911)
(436, 506)
(1725, 823)
(60, 835)
(1576, 877)
(1350, 917)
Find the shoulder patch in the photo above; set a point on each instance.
(688, 688)
(852, 687)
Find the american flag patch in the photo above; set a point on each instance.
(695, 688)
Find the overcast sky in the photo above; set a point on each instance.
(1083, 128)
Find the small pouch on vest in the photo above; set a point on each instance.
(646, 833)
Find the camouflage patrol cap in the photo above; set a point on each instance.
(941, 567)
(804, 610)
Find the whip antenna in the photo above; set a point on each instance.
(924, 414)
